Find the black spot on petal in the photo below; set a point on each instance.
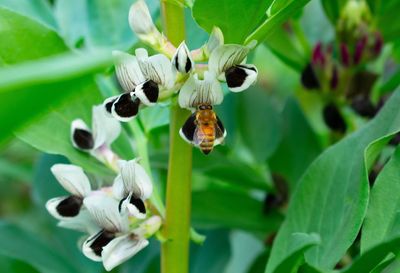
(138, 203)
(109, 105)
(126, 106)
(83, 139)
(235, 76)
(151, 91)
(309, 79)
(189, 127)
(100, 241)
(333, 118)
(70, 206)
(188, 65)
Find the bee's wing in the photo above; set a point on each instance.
(188, 129)
(199, 136)
(220, 132)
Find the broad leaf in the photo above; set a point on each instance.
(299, 145)
(384, 12)
(372, 257)
(259, 123)
(231, 209)
(300, 243)
(332, 196)
(237, 19)
(17, 33)
(39, 10)
(383, 218)
(275, 21)
(23, 245)
(97, 23)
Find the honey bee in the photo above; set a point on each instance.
(203, 129)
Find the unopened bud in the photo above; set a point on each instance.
(318, 56)
(344, 55)
(359, 50)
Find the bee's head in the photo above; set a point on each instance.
(205, 107)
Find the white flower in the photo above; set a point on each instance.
(141, 23)
(206, 91)
(115, 243)
(227, 62)
(182, 60)
(104, 131)
(132, 187)
(69, 208)
(142, 78)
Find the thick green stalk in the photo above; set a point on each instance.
(175, 251)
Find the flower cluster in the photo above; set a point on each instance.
(338, 70)
(146, 80)
(116, 218)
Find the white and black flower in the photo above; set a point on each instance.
(115, 242)
(142, 78)
(228, 63)
(73, 180)
(182, 60)
(197, 91)
(104, 131)
(132, 187)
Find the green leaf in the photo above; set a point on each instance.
(259, 123)
(287, 49)
(384, 12)
(372, 257)
(299, 145)
(35, 88)
(332, 196)
(301, 242)
(232, 209)
(17, 34)
(332, 9)
(23, 245)
(96, 23)
(274, 22)
(383, 219)
(39, 10)
(236, 19)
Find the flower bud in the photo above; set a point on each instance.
(378, 45)
(309, 79)
(318, 56)
(359, 50)
(345, 55)
(182, 60)
(335, 78)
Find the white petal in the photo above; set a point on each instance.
(133, 210)
(81, 135)
(140, 19)
(128, 71)
(182, 60)
(104, 210)
(195, 92)
(121, 249)
(224, 57)
(216, 39)
(118, 188)
(72, 178)
(157, 68)
(135, 179)
(240, 77)
(105, 129)
(83, 222)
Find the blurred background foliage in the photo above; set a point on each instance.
(241, 191)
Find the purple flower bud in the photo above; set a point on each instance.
(335, 78)
(345, 54)
(360, 46)
(378, 44)
(318, 57)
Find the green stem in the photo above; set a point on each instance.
(176, 231)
